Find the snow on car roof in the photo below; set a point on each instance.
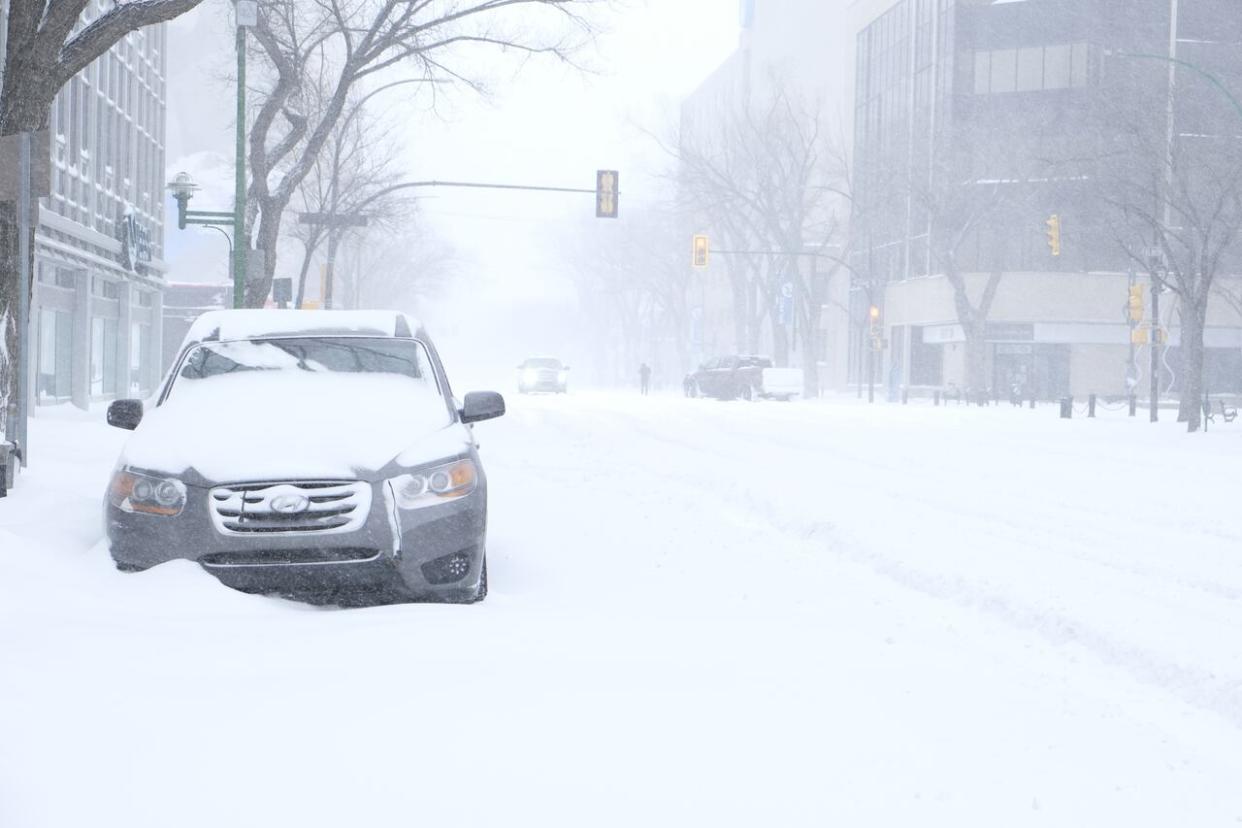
(256, 324)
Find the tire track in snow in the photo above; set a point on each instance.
(1198, 687)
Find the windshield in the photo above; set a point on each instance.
(344, 355)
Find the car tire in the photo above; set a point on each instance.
(747, 393)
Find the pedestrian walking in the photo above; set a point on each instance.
(644, 378)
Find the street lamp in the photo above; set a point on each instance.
(183, 189)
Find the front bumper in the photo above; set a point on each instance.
(406, 553)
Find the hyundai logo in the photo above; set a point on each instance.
(290, 504)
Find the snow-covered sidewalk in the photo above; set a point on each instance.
(702, 614)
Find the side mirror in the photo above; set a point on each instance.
(482, 405)
(564, 367)
(126, 414)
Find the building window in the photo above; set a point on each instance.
(103, 356)
(1031, 69)
(55, 380)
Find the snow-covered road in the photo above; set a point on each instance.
(701, 614)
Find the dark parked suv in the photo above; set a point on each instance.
(744, 377)
(319, 454)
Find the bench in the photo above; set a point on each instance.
(1227, 413)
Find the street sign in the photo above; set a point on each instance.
(784, 311)
(607, 195)
(700, 252)
(282, 290)
(247, 13)
(333, 220)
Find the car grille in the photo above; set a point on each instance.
(289, 557)
(274, 508)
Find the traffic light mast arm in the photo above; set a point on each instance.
(474, 185)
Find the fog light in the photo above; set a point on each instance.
(448, 569)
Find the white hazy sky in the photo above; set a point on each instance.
(549, 124)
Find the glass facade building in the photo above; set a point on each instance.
(99, 257)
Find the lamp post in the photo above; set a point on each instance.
(183, 188)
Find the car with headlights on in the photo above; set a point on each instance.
(315, 454)
(546, 374)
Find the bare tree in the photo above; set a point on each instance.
(1176, 204)
(395, 269)
(632, 283)
(347, 44)
(46, 43)
(776, 188)
(353, 176)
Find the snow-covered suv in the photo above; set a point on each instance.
(312, 453)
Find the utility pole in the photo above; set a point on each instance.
(1156, 333)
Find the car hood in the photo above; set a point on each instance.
(262, 428)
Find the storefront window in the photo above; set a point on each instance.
(139, 341)
(103, 356)
(55, 380)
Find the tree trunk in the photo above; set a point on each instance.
(267, 238)
(976, 361)
(1193, 321)
(810, 354)
(10, 269)
(741, 313)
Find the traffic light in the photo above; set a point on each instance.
(875, 322)
(1134, 307)
(700, 254)
(1054, 234)
(607, 201)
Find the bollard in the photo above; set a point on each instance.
(1091, 406)
(936, 397)
(1032, 402)
(1067, 408)
(905, 396)
(1133, 405)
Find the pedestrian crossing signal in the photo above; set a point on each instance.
(701, 252)
(607, 201)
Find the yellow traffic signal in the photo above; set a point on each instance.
(607, 195)
(1134, 307)
(701, 252)
(875, 321)
(1054, 234)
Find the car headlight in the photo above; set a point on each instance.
(435, 485)
(530, 376)
(144, 494)
(563, 377)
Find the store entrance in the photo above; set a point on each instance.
(1028, 369)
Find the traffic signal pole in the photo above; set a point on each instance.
(1155, 347)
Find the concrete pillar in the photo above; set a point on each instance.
(126, 295)
(82, 339)
(155, 343)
